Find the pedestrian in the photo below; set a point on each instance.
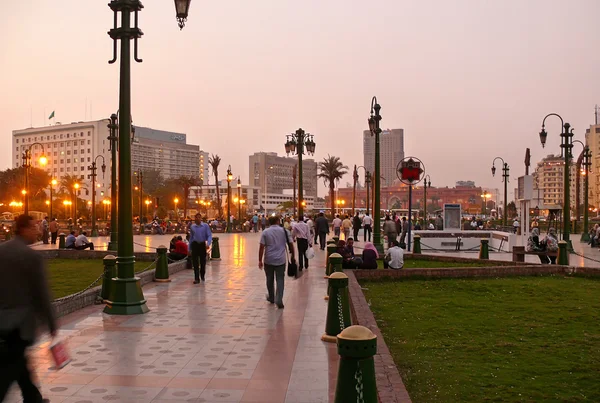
(255, 222)
(322, 228)
(516, 225)
(336, 225)
(45, 230)
(367, 222)
(273, 243)
(346, 227)
(356, 226)
(403, 229)
(389, 229)
(54, 230)
(200, 240)
(311, 228)
(24, 302)
(439, 223)
(301, 234)
(263, 222)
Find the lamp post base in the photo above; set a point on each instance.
(94, 232)
(569, 246)
(126, 298)
(585, 237)
(379, 247)
(112, 246)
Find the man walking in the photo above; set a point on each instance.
(45, 232)
(322, 228)
(403, 230)
(54, 230)
(24, 300)
(273, 242)
(200, 240)
(346, 227)
(356, 226)
(336, 224)
(301, 234)
(367, 223)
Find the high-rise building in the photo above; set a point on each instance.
(548, 181)
(204, 174)
(592, 138)
(274, 176)
(391, 152)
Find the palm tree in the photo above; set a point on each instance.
(214, 162)
(67, 184)
(186, 182)
(332, 170)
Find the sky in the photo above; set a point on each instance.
(467, 80)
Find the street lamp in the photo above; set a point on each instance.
(295, 144)
(566, 145)
(339, 203)
(93, 175)
(229, 179)
(67, 204)
(176, 200)
(140, 187)
(126, 295)
(76, 186)
(586, 155)
(239, 188)
(425, 186)
(147, 204)
(53, 183)
(27, 165)
(113, 140)
(484, 198)
(505, 176)
(373, 121)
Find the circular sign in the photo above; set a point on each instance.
(410, 170)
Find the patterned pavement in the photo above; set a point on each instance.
(214, 342)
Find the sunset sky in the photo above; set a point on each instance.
(468, 80)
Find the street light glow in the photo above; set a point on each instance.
(43, 160)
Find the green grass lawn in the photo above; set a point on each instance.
(431, 264)
(526, 339)
(68, 276)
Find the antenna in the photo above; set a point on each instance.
(596, 113)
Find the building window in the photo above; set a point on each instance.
(88, 159)
(82, 168)
(68, 160)
(62, 161)
(74, 152)
(89, 134)
(89, 151)
(68, 152)
(17, 141)
(81, 176)
(74, 168)
(68, 169)
(81, 151)
(68, 135)
(82, 142)
(62, 170)
(89, 142)
(54, 137)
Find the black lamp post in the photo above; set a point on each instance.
(566, 145)
(295, 144)
(505, 175)
(367, 182)
(53, 183)
(587, 155)
(239, 188)
(374, 120)
(229, 179)
(27, 165)
(93, 175)
(126, 296)
(140, 180)
(425, 186)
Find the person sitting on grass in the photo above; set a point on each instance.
(70, 241)
(82, 242)
(394, 258)
(369, 257)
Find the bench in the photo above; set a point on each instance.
(519, 253)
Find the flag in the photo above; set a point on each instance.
(51, 115)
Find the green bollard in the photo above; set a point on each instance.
(338, 308)
(335, 265)
(62, 243)
(336, 239)
(417, 244)
(161, 274)
(356, 381)
(330, 249)
(484, 250)
(216, 253)
(563, 254)
(110, 272)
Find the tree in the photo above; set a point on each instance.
(331, 171)
(511, 209)
(67, 185)
(12, 181)
(214, 161)
(185, 183)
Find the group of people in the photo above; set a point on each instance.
(49, 230)
(548, 244)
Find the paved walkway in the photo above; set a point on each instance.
(215, 342)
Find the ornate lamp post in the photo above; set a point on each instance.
(239, 188)
(113, 141)
(566, 145)
(53, 183)
(586, 163)
(295, 144)
(229, 179)
(374, 120)
(93, 175)
(126, 296)
(505, 175)
(425, 186)
(27, 165)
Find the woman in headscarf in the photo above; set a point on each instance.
(369, 257)
(534, 245)
(551, 243)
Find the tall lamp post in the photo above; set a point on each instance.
(93, 175)
(505, 175)
(374, 120)
(140, 180)
(239, 188)
(53, 183)
(229, 179)
(566, 145)
(27, 165)
(76, 186)
(587, 155)
(295, 144)
(425, 186)
(367, 182)
(126, 296)
(355, 180)
(485, 196)
(113, 141)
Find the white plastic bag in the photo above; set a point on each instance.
(310, 253)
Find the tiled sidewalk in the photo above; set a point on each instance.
(215, 342)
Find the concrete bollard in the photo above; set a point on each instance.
(338, 307)
(330, 249)
(110, 272)
(161, 274)
(563, 253)
(215, 252)
(484, 250)
(62, 243)
(356, 381)
(417, 244)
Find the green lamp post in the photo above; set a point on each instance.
(126, 297)
(566, 146)
(229, 179)
(296, 144)
(505, 175)
(586, 163)
(374, 120)
(113, 140)
(93, 175)
(425, 186)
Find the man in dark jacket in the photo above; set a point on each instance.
(322, 228)
(24, 300)
(356, 222)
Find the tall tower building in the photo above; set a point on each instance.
(548, 178)
(391, 150)
(592, 138)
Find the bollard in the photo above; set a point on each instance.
(8, 235)
(330, 249)
(336, 239)
(484, 250)
(110, 272)
(417, 244)
(338, 308)
(215, 252)
(356, 381)
(161, 274)
(563, 254)
(62, 244)
(335, 265)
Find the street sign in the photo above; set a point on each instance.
(410, 171)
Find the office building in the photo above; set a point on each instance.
(548, 182)
(391, 150)
(592, 138)
(204, 167)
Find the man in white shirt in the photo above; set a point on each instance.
(367, 222)
(516, 225)
(311, 228)
(301, 234)
(394, 258)
(336, 224)
(81, 242)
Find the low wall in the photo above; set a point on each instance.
(470, 240)
(91, 254)
(71, 303)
